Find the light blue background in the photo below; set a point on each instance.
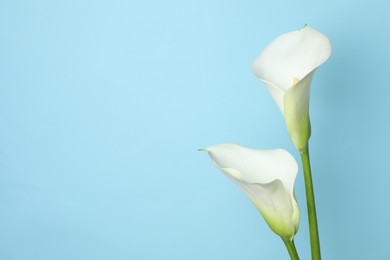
(103, 105)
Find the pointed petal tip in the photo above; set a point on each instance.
(203, 150)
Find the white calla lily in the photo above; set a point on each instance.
(286, 66)
(267, 177)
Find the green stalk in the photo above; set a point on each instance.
(311, 206)
(292, 251)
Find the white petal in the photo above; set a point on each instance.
(277, 94)
(256, 166)
(296, 114)
(267, 178)
(274, 204)
(294, 54)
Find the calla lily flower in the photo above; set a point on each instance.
(267, 177)
(286, 66)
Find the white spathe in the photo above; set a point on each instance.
(267, 177)
(286, 66)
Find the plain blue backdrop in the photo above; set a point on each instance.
(103, 105)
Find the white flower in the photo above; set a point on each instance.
(286, 66)
(267, 177)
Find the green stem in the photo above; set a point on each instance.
(292, 251)
(311, 206)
